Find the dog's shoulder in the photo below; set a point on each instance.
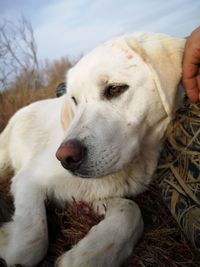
(40, 111)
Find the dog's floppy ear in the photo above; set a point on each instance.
(163, 54)
(66, 113)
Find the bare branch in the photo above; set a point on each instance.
(18, 52)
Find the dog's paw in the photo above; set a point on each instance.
(17, 249)
(67, 260)
(24, 254)
(72, 258)
(64, 261)
(58, 262)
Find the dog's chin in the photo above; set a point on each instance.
(92, 174)
(84, 175)
(89, 174)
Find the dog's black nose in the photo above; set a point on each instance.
(71, 154)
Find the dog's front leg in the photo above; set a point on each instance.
(110, 242)
(24, 240)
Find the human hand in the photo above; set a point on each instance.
(191, 66)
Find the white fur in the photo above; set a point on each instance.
(123, 136)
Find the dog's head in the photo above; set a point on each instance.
(119, 99)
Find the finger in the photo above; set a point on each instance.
(198, 82)
(189, 80)
(190, 70)
(192, 90)
(191, 59)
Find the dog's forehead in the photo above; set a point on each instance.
(116, 48)
(113, 58)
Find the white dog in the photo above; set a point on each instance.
(106, 133)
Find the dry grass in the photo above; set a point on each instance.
(23, 92)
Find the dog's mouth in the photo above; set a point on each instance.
(84, 161)
(87, 169)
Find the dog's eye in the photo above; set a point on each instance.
(75, 101)
(114, 90)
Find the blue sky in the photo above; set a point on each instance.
(73, 27)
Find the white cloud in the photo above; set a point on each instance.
(75, 26)
(72, 27)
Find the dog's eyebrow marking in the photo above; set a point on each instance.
(103, 80)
